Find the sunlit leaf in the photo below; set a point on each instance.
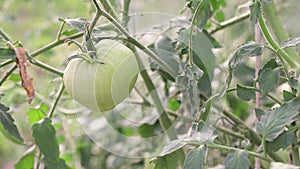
(245, 93)
(271, 125)
(249, 49)
(237, 160)
(26, 161)
(35, 115)
(69, 32)
(293, 42)
(44, 135)
(196, 158)
(268, 80)
(7, 125)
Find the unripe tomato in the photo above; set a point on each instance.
(103, 84)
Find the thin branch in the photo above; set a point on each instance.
(231, 21)
(61, 90)
(8, 73)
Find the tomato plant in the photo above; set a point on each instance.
(191, 84)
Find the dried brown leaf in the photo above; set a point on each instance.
(26, 79)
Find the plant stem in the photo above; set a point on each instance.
(230, 22)
(8, 73)
(4, 35)
(257, 90)
(281, 53)
(125, 17)
(200, 4)
(61, 90)
(47, 67)
(136, 43)
(229, 132)
(108, 8)
(280, 33)
(226, 148)
(252, 136)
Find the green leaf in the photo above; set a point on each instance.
(282, 141)
(55, 164)
(165, 49)
(69, 32)
(271, 125)
(6, 53)
(213, 41)
(240, 108)
(146, 130)
(287, 96)
(77, 23)
(8, 127)
(35, 115)
(268, 80)
(172, 147)
(272, 64)
(220, 16)
(196, 159)
(188, 83)
(255, 12)
(201, 133)
(276, 165)
(245, 93)
(173, 104)
(259, 113)
(293, 42)
(44, 135)
(26, 161)
(249, 49)
(237, 160)
(166, 162)
(203, 13)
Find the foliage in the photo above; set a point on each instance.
(205, 82)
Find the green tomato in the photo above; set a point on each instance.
(103, 84)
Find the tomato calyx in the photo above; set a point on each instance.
(85, 57)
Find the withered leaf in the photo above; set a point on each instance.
(26, 79)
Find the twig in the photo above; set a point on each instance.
(231, 21)
(61, 90)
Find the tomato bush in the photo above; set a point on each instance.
(211, 84)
